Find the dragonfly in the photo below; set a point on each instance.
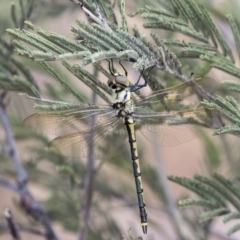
(162, 117)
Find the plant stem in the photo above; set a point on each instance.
(181, 227)
(27, 201)
(89, 178)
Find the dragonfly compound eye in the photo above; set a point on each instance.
(110, 82)
(121, 80)
(118, 82)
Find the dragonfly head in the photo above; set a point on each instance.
(118, 82)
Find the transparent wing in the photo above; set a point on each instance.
(80, 128)
(173, 128)
(172, 116)
(102, 137)
(177, 93)
(61, 123)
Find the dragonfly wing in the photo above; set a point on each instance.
(173, 128)
(43, 122)
(78, 128)
(103, 138)
(81, 123)
(183, 91)
(61, 123)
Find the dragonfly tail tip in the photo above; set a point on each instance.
(144, 228)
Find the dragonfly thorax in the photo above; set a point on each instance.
(121, 99)
(126, 116)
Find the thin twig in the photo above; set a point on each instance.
(197, 88)
(98, 19)
(9, 185)
(27, 201)
(13, 15)
(11, 224)
(177, 219)
(41, 99)
(24, 229)
(20, 171)
(23, 13)
(89, 179)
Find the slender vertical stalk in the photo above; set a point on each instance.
(181, 227)
(11, 224)
(27, 201)
(89, 178)
(23, 13)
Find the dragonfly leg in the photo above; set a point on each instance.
(148, 75)
(137, 174)
(110, 67)
(138, 86)
(125, 71)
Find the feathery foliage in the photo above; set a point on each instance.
(183, 36)
(216, 195)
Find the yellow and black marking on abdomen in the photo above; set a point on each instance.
(129, 122)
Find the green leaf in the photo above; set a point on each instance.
(212, 214)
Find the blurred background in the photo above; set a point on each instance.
(114, 210)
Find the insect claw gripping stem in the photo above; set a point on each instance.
(120, 63)
(138, 86)
(111, 69)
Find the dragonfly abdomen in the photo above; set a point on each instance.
(129, 123)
